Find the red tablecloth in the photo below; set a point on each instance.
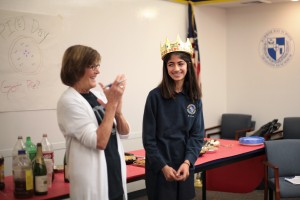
(135, 173)
(227, 148)
(242, 176)
(239, 177)
(59, 188)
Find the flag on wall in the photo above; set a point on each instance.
(192, 35)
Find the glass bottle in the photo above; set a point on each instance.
(66, 170)
(39, 172)
(30, 148)
(22, 175)
(48, 155)
(2, 183)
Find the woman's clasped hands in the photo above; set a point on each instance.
(180, 175)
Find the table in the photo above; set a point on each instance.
(231, 165)
(230, 157)
(60, 189)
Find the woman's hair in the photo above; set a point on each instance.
(75, 60)
(190, 85)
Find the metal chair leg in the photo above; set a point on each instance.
(270, 194)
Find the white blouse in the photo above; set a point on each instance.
(87, 164)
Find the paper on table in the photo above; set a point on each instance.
(294, 180)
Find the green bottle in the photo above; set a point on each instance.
(30, 148)
(39, 172)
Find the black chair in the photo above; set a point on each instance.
(283, 160)
(232, 127)
(291, 129)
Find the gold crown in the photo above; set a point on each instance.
(176, 46)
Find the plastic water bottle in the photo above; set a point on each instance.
(18, 146)
(30, 148)
(22, 175)
(48, 155)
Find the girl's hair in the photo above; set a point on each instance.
(75, 60)
(190, 85)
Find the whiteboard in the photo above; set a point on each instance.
(29, 66)
(127, 34)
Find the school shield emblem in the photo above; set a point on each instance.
(276, 47)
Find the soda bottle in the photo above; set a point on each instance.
(22, 175)
(30, 148)
(2, 183)
(48, 154)
(40, 172)
(18, 146)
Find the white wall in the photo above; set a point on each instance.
(253, 86)
(212, 34)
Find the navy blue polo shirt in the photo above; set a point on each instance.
(173, 130)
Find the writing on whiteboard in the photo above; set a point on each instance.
(11, 88)
(21, 24)
(28, 54)
(24, 35)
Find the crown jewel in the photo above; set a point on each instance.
(169, 47)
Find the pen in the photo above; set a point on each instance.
(109, 85)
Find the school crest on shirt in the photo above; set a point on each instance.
(191, 109)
